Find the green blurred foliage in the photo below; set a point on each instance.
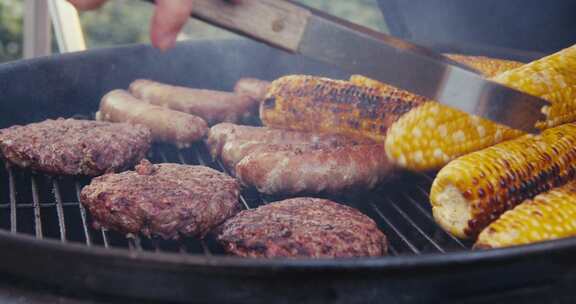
(10, 30)
(127, 21)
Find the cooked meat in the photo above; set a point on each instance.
(166, 125)
(167, 200)
(212, 106)
(236, 150)
(220, 134)
(359, 167)
(75, 147)
(302, 227)
(252, 87)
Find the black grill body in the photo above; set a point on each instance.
(47, 235)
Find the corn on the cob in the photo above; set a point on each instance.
(489, 67)
(442, 140)
(554, 79)
(550, 215)
(307, 103)
(475, 189)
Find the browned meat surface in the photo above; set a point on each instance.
(236, 150)
(167, 200)
(302, 227)
(252, 87)
(212, 106)
(330, 171)
(75, 147)
(220, 134)
(179, 128)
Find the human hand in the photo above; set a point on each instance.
(169, 18)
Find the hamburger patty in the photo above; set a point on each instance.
(167, 200)
(75, 147)
(302, 227)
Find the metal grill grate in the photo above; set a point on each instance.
(48, 207)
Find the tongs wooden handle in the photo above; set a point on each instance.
(278, 23)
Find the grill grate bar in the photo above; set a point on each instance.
(427, 215)
(105, 237)
(35, 199)
(411, 222)
(205, 248)
(12, 192)
(83, 216)
(134, 242)
(242, 198)
(395, 229)
(41, 204)
(163, 156)
(59, 210)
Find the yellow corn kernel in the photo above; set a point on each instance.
(473, 190)
(315, 104)
(550, 215)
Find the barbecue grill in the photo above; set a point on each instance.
(47, 236)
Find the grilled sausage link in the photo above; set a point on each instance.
(359, 167)
(166, 125)
(212, 106)
(252, 87)
(220, 134)
(236, 150)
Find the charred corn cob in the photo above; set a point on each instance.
(489, 67)
(550, 215)
(447, 134)
(307, 103)
(473, 190)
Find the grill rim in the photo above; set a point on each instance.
(448, 259)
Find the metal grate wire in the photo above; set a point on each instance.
(48, 207)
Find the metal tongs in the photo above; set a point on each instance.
(298, 29)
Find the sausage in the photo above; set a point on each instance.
(235, 150)
(253, 87)
(324, 171)
(224, 132)
(212, 106)
(166, 125)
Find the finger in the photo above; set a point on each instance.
(169, 18)
(87, 4)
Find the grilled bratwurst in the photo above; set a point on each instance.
(302, 227)
(166, 125)
(255, 88)
(220, 134)
(212, 106)
(167, 200)
(75, 147)
(330, 171)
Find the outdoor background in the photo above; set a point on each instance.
(126, 21)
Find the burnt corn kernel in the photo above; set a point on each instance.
(547, 216)
(504, 175)
(309, 103)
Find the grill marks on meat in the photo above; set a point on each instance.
(302, 227)
(75, 147)
(167, 200)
